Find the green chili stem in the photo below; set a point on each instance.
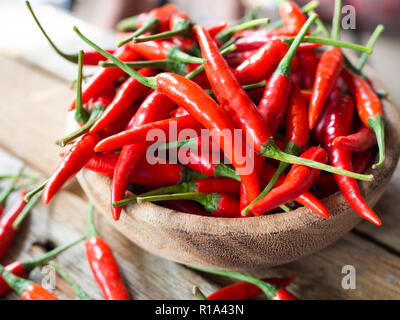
(270, 150)
(94, 116)
(30, 265)
(70, 57)
(16, 283)
(147, 81)
(92, 231)
(6, 192)
(176, 53)
(320, 24)
(183, 29)
(284, 66)
(170, 65)
(268, 289)
(371, 43)
(151, 23)
(333, 43)
(28, 207)
(38, 189)
(127, 24)
(226, 34)
(80, 293)
(335, 34)
(196, 292)
(81, 115)
(285, 208)
(377, 124)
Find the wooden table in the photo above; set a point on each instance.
(33, 108)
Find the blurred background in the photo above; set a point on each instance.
(104, 14)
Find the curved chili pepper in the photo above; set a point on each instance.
(298, 181)
(274, 102)
(191, 96)
(129, 92)
(271, 291)
(339, 124)
(72, 162)
(369, 109)
(104, 77)
(262, 62)
(26, 289)
(138, 134)
(292, 16)
(23, 269)
(7, 232)
(245, 290)
(360, 141)
(218, 204)
(328, 71)
(103, 264)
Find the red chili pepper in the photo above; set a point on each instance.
(23, 269)
(170, 127)
(128, 93)
(338, 124)
(26, 289)
(292, 16)
(283, 294)
(308, 66)
(360, 141)
(362, 160)
(103, 264)
(72, 162)
(104, 77)
(234, 59)
(245, 290)
(218, 204)
(7, 232)
(298, 181)
(328, 71)
(155, 107)
(369, 109)
(262, 62)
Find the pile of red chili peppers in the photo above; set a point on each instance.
(311, 121)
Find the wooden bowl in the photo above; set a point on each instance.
(243, 244)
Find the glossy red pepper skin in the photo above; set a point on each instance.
(37, 292)
(235, 59)
(92, 58)
(139, 134)
(71, 163)
(153, 50)
(360, 141)
(292, 16)
(245, 290)
(263, 62)
(225, 185)
(339, 123)
(105, 269)
(105, 76)
(155, 107)
(205, 110)
(328, 71)
(7, 232)
(162, 14)
(298, 181)
(128, 93)
(16, 268)
(296, 119)
(274, 102)
(283, 294)
(228, 207)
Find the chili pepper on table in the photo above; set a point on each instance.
(369, 109)
(103, 264)
(4, 194)
(26, 289)
(71, 163)
(245, 290)
(218, 204)
(338, 124)
(89, 58)
(271, 291)
(298, 181)
(7, 232)
(80, 293)
(128, 93)
(360, 141)
(189, 95)
(156, 20)
(158, 174)
(23, 269)
(327, 73)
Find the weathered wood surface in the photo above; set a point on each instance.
(33, 107)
